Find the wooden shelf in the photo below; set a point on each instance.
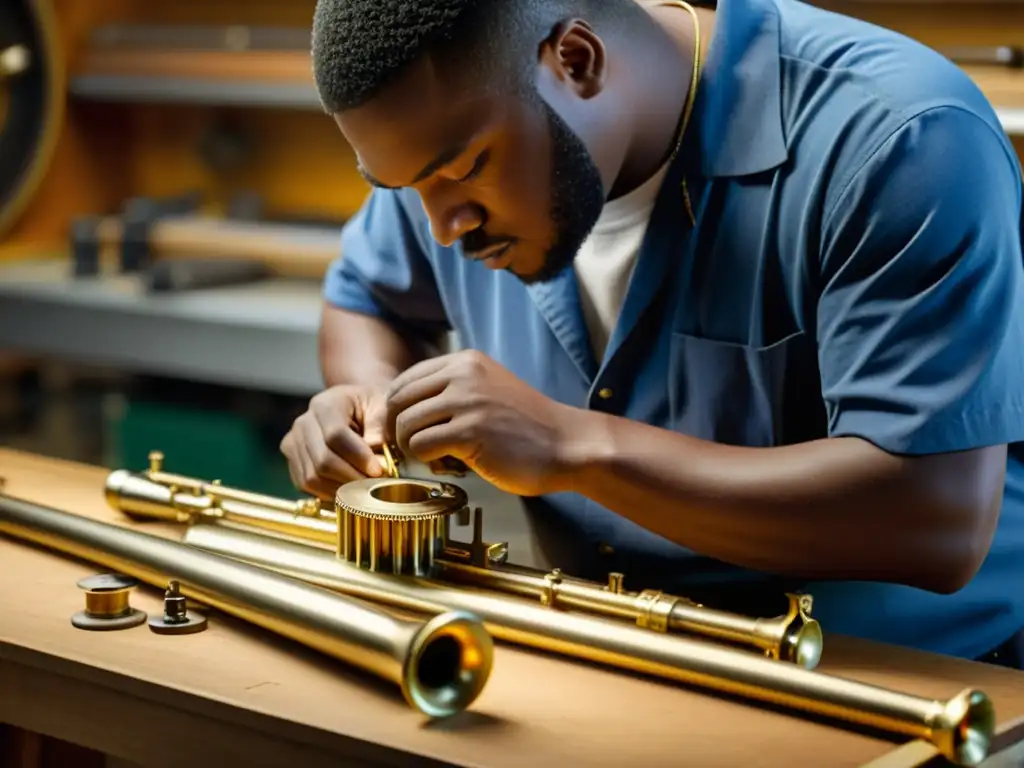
(282, 78)
(272, 78)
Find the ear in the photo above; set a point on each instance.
(576, 57)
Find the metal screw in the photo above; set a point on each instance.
(176, 618)
(175, 605)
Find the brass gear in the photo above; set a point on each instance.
(400, 499)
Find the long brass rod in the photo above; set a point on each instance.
(441, 665)
(794, 637)
(960, 728)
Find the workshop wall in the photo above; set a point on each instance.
(108, 152)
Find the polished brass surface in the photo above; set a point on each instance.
(395, 525)
(107, 594)
(441, 665)
(960, 727)
(793, 637)
(107, 603)
(389, 459)
(217, 493)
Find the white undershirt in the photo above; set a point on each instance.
(604, 264)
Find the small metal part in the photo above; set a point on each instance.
(389, 460)
(176, 619)
(106, 604)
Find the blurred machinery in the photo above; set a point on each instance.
(32, 88)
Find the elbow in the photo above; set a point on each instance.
(959, 497)
(955, 556)
(957, 574)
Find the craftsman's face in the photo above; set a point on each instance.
(504, 176)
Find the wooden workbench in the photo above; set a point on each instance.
(235, 692)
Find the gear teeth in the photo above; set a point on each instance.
(395, 525)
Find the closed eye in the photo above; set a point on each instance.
(478, 166)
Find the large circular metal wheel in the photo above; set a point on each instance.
(31, 102)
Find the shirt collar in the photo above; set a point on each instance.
(738, 108)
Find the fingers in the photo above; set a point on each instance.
(418, 417)
(411, 394)
(418, 371)
(375, 421)
(312, 465)
(301, 467)
(338, 447)
(447, 439)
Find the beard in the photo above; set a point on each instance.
(577, 197)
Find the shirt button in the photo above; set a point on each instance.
(606, 549)
(604, 393)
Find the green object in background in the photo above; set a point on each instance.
(204, 444)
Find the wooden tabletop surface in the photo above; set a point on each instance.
(244, 694)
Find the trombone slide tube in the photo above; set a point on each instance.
(960, 728)
(441, 665)
(793, 637)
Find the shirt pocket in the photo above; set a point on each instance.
(756, 396)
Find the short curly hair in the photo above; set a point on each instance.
(361, 46)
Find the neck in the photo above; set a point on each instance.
(663, 68)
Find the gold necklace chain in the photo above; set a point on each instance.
(691, 96)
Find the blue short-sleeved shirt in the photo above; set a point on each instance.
(855, 269)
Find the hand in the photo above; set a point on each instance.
(467, 406)
(332, 443)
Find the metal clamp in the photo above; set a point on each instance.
(655, 609)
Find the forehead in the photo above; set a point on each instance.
(425, 112)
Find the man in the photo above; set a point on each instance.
(753, 330)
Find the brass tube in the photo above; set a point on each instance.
(960, 728)
(794, 637)
(441, 665)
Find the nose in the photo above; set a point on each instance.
(450, 224)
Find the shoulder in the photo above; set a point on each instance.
(850, 89)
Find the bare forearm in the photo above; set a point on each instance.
(363, 350)
(830, 509)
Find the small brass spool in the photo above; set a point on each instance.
(106, 604)
(396, 525)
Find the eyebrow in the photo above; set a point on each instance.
(443, 158)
